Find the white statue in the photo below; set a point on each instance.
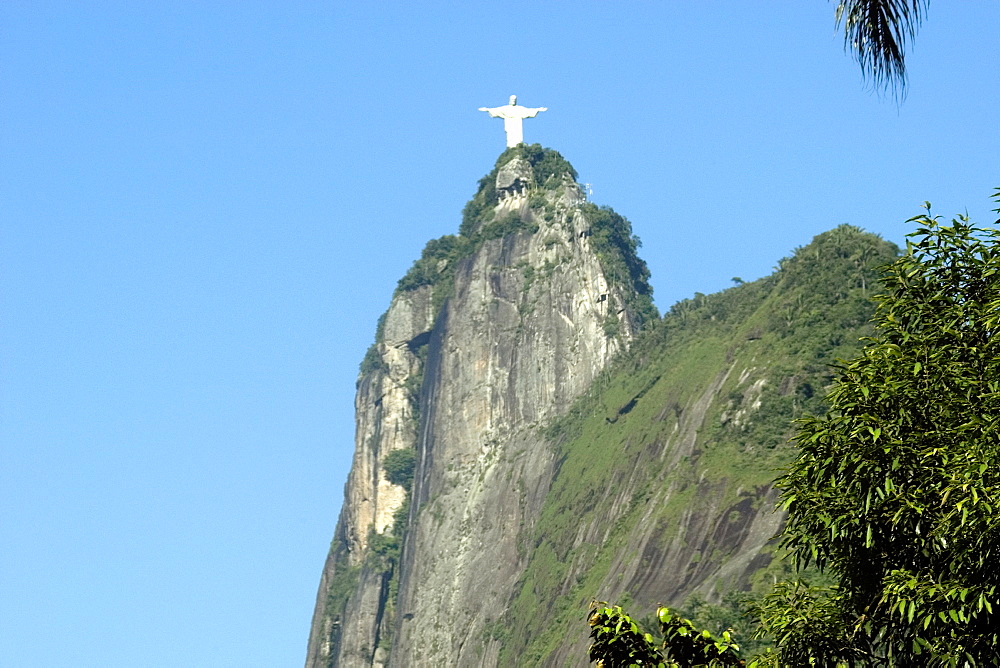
(512, 116)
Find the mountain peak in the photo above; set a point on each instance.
(491, 333)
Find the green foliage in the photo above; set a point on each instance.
(399, 465)
(345, 580)
(686, 646)
(617, 641)
(896, 490)
(372, 361)
(436, 266)
(400, 518)
(819, 632)
(611, 325)
(617, 249)
(512, 223)
(623, 472)
(736, 612)
(548, 165)
(343, 584)
(549, 169)
(383, 551)
(440, 257)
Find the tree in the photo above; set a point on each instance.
(618, 642)
(876, 32)
(399, 466)
(896, 490)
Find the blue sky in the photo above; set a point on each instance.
(204, 208)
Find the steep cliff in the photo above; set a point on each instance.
(352, 602)
(530, 435)
(663, 489)
(492, 333)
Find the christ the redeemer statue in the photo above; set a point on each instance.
(512, 115)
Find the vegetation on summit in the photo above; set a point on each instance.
(548, 167)
(611, 234)
(440, 257)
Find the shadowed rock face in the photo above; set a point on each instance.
(522, 334)
(712, 542)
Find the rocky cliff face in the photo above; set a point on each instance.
(556, 455)
(663, 491)
(490, 336)
(386, 420)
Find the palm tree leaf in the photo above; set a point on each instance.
(876, 32)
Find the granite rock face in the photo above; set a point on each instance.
(385, 419)
(520, 339)
(515, 177)
(530, 319)
(658, 484)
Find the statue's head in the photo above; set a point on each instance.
(513, 100)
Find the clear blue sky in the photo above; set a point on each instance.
(204, 207)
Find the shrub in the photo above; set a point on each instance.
(399, 465)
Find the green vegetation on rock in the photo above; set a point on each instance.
(612, 236)
(549, 170)
(399, 465)
(668, 461)
(372, 361)
(892, 494)
(618, 641)
(338, 592)
(440, 257)
(617, 249)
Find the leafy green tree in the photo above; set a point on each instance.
(896, 490)
(618, 642)
(399, 465)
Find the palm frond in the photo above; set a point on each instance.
(876, 32)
